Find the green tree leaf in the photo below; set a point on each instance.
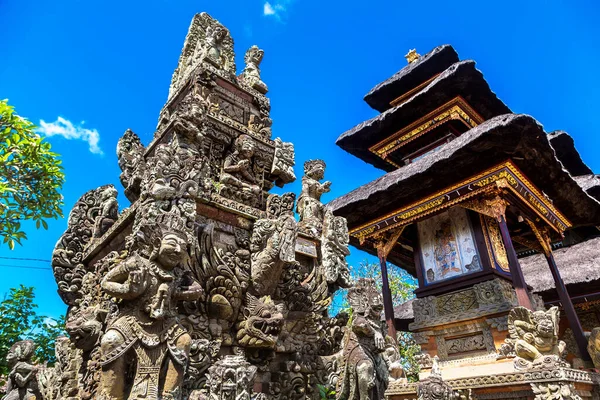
(31, 177)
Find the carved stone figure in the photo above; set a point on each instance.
(283, 162)
(335, 243)
(272, 245)
(251, 74)
(231, 378)
(237, 179)
(534, 334)
(146, 327)
(92, 214)
(364, 371)
(310, 208)
(211, 50)
(130, 153)
(594, 346)
(262, 323)
(434, 387)
(22, 381)
(109, 211)
(392, 358)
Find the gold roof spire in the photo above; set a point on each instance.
(412, 56)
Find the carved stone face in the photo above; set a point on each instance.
(12, 357)
(287, 202)
(256, 55)
(545, 326)
(245, 146)
(171, 252)
(317, 172)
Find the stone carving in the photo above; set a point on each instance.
(554, 391)
(231, 378)
(272, 244)
(91, 216)
(261, 126)
(334, 248)
(108, 213)
(237, 179)
(262, 323)
(310, 208)
(146, 326)
(208, 45)
(534, 335)
(594, 346)
(22, 379)
(198, 285)
(283, 162)
(392, 359)
(251, 74)
(130, 153)
(434, 387)
(424, 360)
(364, 372)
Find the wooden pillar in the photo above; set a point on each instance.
(388, 305)
(574, 323)
(567, 304)
(514, 266)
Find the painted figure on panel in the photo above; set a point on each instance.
(445, 250)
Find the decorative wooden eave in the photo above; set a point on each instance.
(505, 178)
(456, 109)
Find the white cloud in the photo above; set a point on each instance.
(268, 9)
(276, 9)
(65, 128)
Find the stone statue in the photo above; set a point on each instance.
(335, 241)
(262, 323)
(211, 49)
(109, 211)
(391, 355)
(146, 328)
(534, 335)
(130, 153)
(364, 371)
(310, 208)
(272, 244)
(251, 74)
(231, 378)
(594, 346)
(22, 380)
(237, 179)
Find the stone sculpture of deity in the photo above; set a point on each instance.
(251, 73)
(237, 178)
(310, 208)
(364, 372)
(534, 335)
(22, 380)
(146, 331)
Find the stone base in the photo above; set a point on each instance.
(554, 384)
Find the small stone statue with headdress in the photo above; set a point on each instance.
(310, 208)
(251, 74)
(22, 380)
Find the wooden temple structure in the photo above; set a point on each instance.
(488, 211)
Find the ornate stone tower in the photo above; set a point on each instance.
(206, 286)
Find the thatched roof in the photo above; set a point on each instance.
(411, 76)
(512, 136)
(460, 79)
(564, 147)
(590, 183)
(577, 264)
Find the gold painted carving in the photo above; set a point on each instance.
(455, 109)
(494, 243)
(505, 175)
(412, 56)
(543, 236)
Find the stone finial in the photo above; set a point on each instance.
(412, 56)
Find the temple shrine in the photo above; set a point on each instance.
(496, 218)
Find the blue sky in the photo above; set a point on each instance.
(103, 67)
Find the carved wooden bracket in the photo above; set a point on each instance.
(385, 243)
(494, 207)
(543, 236)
